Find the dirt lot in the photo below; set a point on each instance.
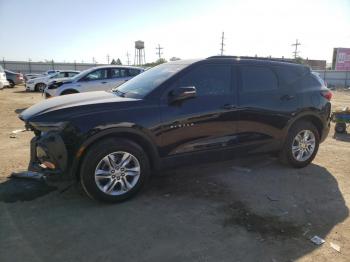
(244, 210)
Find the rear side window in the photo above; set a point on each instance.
(208, 80)
(133, 72)
(255, 79)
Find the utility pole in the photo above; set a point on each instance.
(297, 43)
(222, 43)
(107, 59)
(128, 58)
(159, 53)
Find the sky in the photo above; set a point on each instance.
(80, 30)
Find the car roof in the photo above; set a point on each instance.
(116, 66)
(11, 72)
(256, 60)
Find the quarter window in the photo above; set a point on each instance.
(208, 80)
(133, 72)
(255, 79)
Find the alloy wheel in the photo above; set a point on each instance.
(303, 145)
(117, 173)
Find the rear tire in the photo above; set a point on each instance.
(340, 128)
(12, 84)
(301, 145)
(114, 170)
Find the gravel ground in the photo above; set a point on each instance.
(251, 209)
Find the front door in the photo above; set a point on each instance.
(206, 122)
(96, 80)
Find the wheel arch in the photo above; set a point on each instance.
(133, 135)
(313, 118)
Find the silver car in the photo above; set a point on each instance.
(101, 78)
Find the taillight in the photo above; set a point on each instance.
(327, 94)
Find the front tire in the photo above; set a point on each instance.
(40, 87)
(301, 145)
(114, 170)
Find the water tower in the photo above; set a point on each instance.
(139, 53)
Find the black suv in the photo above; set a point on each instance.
(176, 113)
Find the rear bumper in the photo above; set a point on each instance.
(325, 132)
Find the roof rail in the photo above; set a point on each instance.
(285, 60)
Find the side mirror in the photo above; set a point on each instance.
(182, 93)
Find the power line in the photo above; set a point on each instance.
(128, 55)
(295, 52)
(222, 43)
(159, 53)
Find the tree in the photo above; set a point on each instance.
(118, 62)
(113, 62)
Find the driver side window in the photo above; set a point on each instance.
(209, 80)
(96, 75)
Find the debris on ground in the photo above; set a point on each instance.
(241, 169)
(13, 136)
(27, 175)
(335, 247)
(317, 240)
(17, 131)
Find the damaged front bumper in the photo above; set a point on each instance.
(48, 154)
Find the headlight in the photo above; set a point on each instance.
(30, 82)
(55, 85)
(47, 126)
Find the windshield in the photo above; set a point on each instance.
(144, 83)
(82, 73)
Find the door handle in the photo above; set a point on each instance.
(103, 82)
(287, 97)
(229, 107)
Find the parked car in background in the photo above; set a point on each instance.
(101, 78)
(31, 76)
(3, 80)
(39, 83)
(178, 113)
(14, 78)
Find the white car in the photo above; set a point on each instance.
(3, 80)
(101, 78)
(39, 83)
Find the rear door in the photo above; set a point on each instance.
(265, 104)
(117, 77)
(206, 122)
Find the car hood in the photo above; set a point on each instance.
(70, 101)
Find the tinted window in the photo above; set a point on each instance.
(96, 75)
(133, 72)
(287, 74)
(146, 82)
(256, 78)
(208, 80)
